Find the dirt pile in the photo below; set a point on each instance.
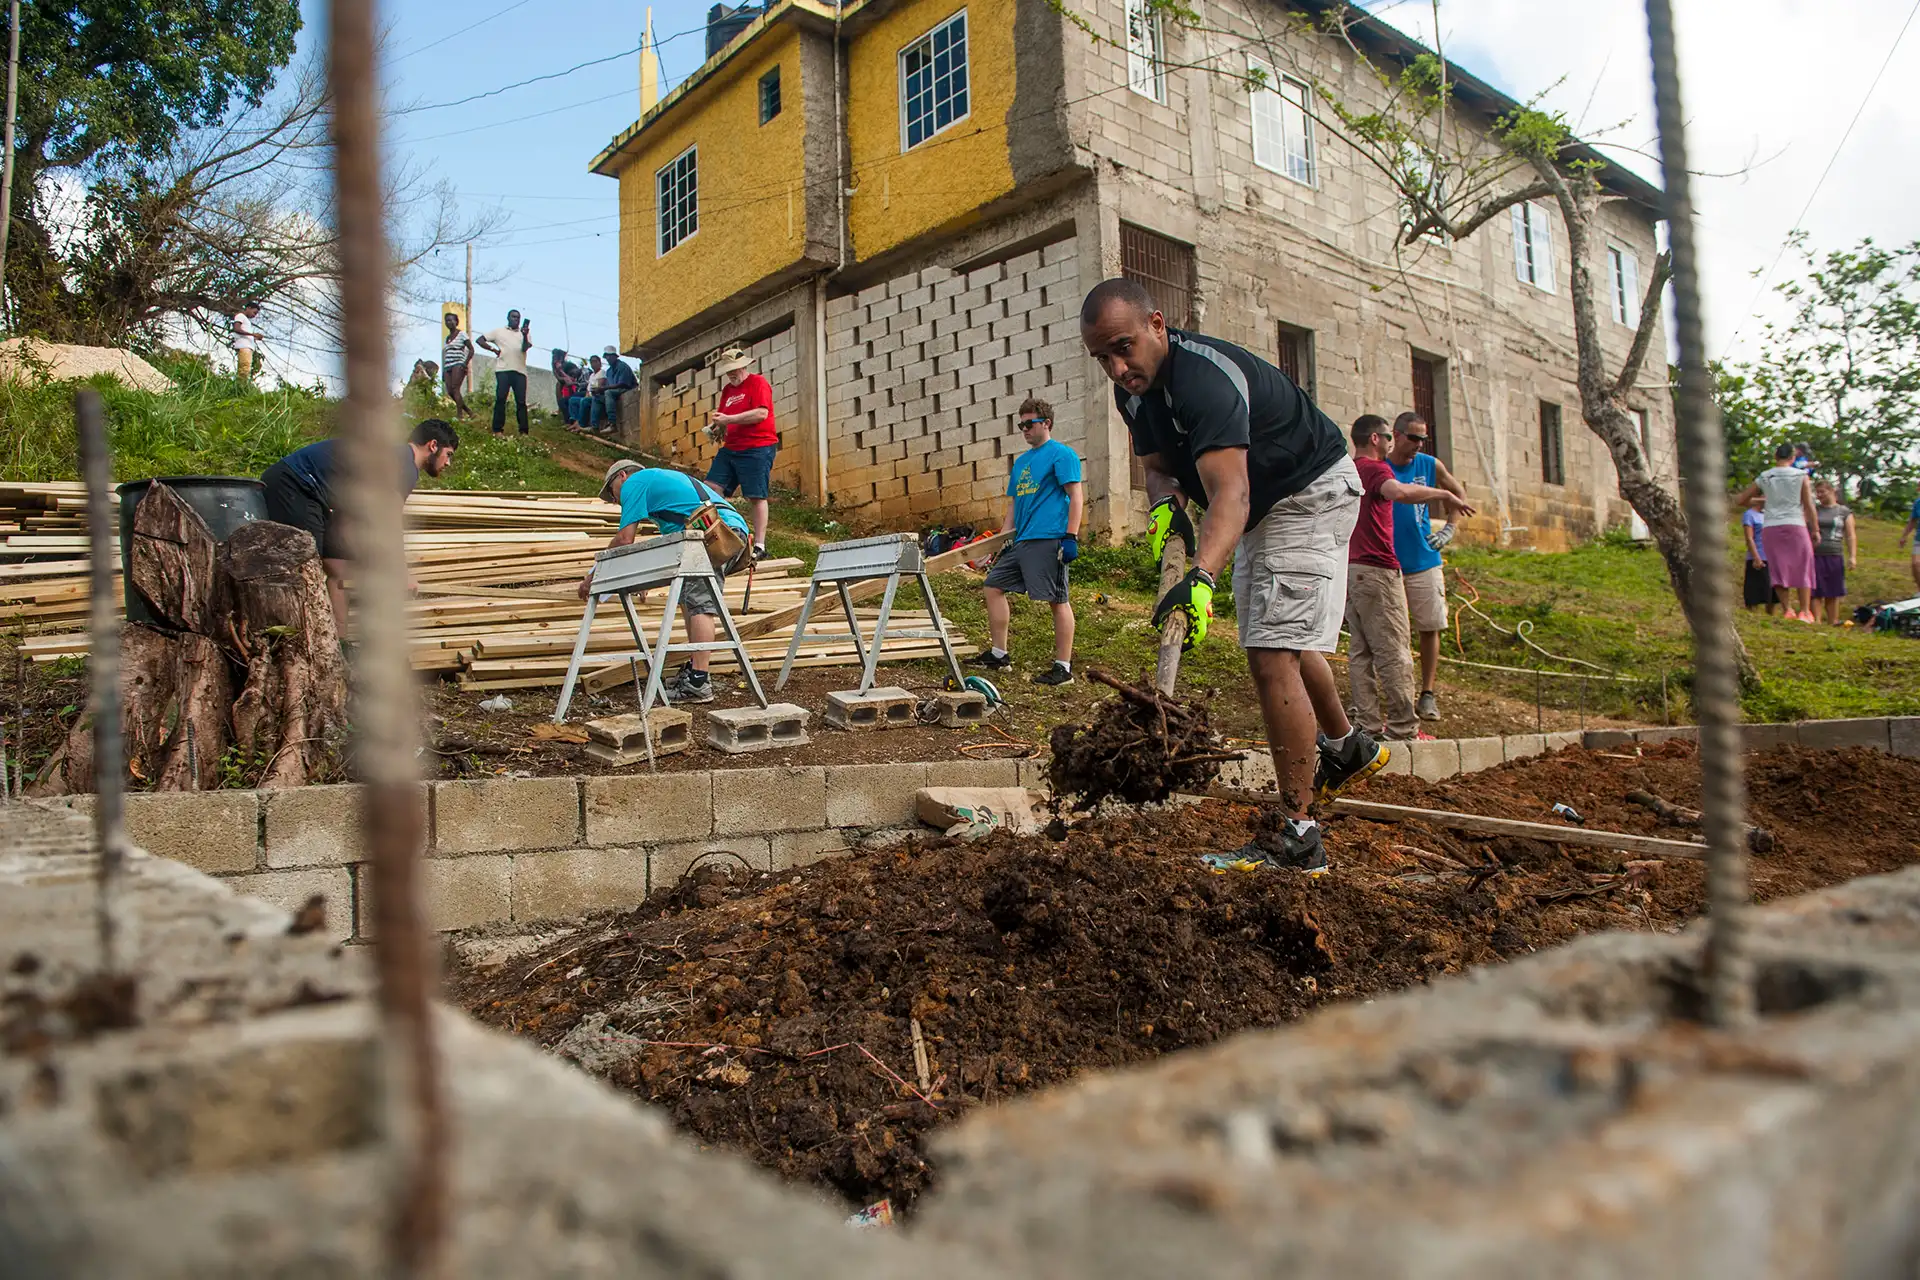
(778, 1014)
(1139, 747)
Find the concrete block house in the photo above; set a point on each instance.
(898, 205)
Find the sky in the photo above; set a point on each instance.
(1770, 88)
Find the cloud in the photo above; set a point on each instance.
(1769, 87)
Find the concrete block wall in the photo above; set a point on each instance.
(530, 849)
(683, 405)
(925, 372)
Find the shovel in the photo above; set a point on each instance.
(1173, 632)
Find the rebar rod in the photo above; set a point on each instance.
(103, 668)
(385, 710)
(1727, 968)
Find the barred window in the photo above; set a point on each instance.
(933, 81)
(678, 185)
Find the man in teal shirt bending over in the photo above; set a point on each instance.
(669, 498)
(1045, 498)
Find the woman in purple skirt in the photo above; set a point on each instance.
(1836, 552)
(1789, 528)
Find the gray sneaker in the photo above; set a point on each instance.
(686, 688)
(1428, 707)
(1281, 850)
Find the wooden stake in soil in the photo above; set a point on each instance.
(103, 666)
(385, 712)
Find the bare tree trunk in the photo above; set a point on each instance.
(174, 559)
(175, 692)
(291, 711)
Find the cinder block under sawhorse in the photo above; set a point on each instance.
(960, 708)
(622, 740)
(888, 707)
(737, 730)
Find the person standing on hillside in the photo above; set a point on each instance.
(1788, 531)
(1045, 499)
(669, 499)
(1836, 551)
(748, 436)
(245, 336)
(1757, 589)
(1380, 666)
(509, 346)
(619, 380)
(1417, 545)
(456, 359)
(1213, 423)
(1913, 523)
(300, 492)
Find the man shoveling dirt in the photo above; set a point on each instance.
(1214, 423)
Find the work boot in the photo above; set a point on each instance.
(985, 658)
(1058, 673)
(1428, 707)
(1292, 846)
(690, 686)
(1356, 758)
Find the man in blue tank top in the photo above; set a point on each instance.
(1417, 544)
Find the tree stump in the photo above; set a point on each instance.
(253, 614)
(292, 708)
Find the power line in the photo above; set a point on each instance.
(438, 38)
(1807, 208)
(513, 120)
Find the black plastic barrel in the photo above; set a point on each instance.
(224, 502)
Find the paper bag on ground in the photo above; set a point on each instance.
(977, 807)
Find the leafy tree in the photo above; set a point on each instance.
(1842, 372)
(1750, 443)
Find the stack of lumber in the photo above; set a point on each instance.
(497, 607)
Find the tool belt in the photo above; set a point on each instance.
(724, 546)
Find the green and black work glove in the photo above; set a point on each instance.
(1166, 519)
(1194, 595)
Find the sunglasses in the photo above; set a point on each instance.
(1028, 423)
(1421, 439)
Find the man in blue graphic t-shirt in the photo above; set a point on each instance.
(1417, 545)
(1045, 498)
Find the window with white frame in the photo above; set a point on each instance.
(1533, 245)
(933, 81)
(1146, 57)
(1282, 124)
(678, 189)
(1623, 286)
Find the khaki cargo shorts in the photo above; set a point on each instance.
(1290, 570)
(1427, 598)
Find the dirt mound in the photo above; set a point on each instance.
(777, 1014)
(1140, 747)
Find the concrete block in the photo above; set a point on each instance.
(1519, 746)
(1563, 739)
(666, 863)
(737, 730)
(290, 891)
(960, 709)
(886, 707)
(873, 795)
(1399, 758)
(803, 848)
(1762, 737)
(1480, 753)
(1433, 760)
(213, 831)
(1256, 771)
(505, 813)
(761, 800)
(1670, 733)
(1903, 736)
(571, 882)
(671, 729)
(1845, 733)
(975, 773)
(1607, 739)
(459, 892)
(646, 808)
(1031, 773)
(319, 826)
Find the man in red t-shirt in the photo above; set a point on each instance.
(1379, 638)
(743, 424)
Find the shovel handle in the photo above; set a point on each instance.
(1173, 632)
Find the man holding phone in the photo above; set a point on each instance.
(509, 346)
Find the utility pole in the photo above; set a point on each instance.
(470, 325)
(6, 165)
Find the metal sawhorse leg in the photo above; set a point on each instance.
(891, 556)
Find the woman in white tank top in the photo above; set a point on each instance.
(1789, 528)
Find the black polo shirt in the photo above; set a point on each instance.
(1214, 395)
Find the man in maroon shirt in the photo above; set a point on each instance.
(748, 439)
(1380, 662)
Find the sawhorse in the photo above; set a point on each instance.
(669, 561)
(891, 556)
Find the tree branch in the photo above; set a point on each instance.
(1643, 332)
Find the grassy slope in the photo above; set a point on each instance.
(1607, 603)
